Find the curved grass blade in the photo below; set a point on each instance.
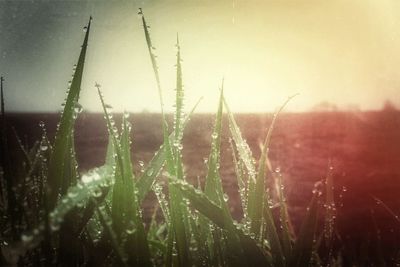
(256, 199)
(387, 208)
(253, 254)
(151, 172)
(78, 195)
(151, 49)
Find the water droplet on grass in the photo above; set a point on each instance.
(150, 172)
(26, 238)
(97, 192)
(226, 197)
(131, 229)
(78, 108)
(72, 194)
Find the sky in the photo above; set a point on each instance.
(343, 52)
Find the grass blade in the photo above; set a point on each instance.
(286, 233)
(151, 49)
(8, 193)
(151, 172)
(213, 186)
(241, 145)
(303, 247)
(61, 144)
(253, 255)
(125, 208)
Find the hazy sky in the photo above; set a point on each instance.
(346, 52)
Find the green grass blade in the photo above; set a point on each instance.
(330, 209)
(152, 170)
(203, 204)
(179, 212)
(256, 201)
(78, 195)
(179, 94)
(213, 186)
(61, 144)
(245, 244)
(69, 244)
(213, 190)
(240, 174)
(286, 233)
(137, 241)
(272, 236)
(241, 145)
(125, 208)
(303, 247)
(90, 207)
(151, 49)
(104, 219)
(7, 170)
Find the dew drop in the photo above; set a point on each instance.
(72, 194)
(226, 197)
(97, 192)
(26, 238)
(150, 172)
(130, 229)
(54, 227)
(78, 108)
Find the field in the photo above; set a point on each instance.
(187, 189)
(362, 147)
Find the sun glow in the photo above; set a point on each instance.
(340, 52)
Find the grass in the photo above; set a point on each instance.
(54, 215)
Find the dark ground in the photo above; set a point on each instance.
(363, 148)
